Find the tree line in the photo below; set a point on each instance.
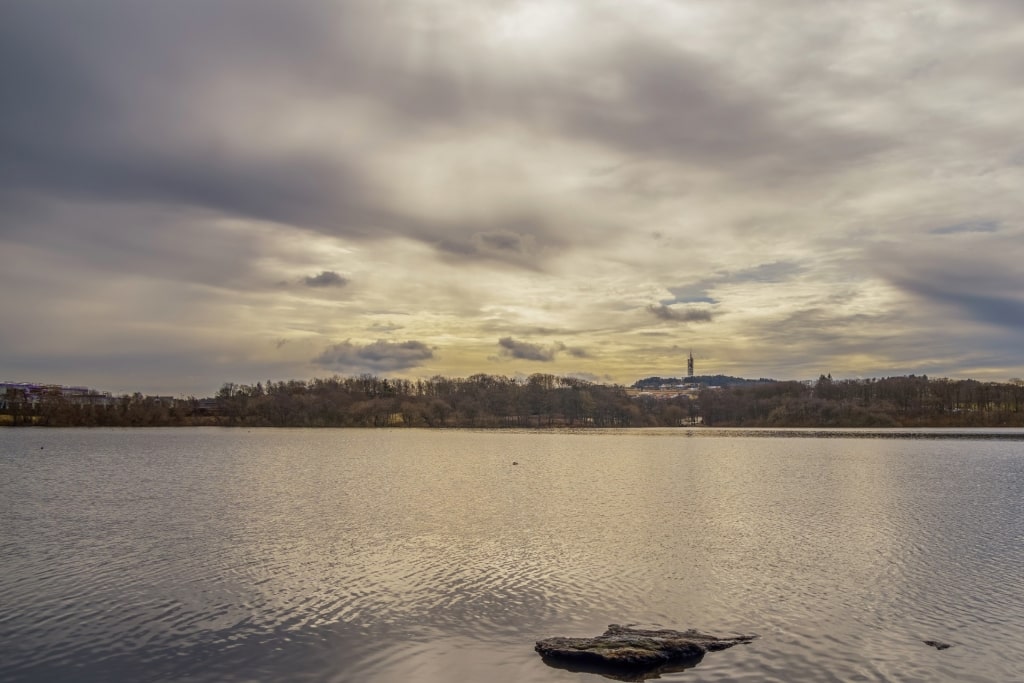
(479, 401)
(544, 400)
(907, 401)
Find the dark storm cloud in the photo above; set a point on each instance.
(380, 356)
(689, 315)
(327, 278)
(514, 348)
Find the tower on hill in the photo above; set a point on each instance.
(689, 365)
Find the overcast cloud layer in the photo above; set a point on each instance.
(202, 191)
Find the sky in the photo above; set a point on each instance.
(207, 191)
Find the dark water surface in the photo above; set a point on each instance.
(406, 555)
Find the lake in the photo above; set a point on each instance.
(427, 556)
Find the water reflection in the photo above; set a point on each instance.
(219, 555)
(619, 673)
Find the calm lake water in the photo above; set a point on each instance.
(408, 555)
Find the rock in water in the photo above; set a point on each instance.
(630, 654)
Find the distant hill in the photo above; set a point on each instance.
(705, 380)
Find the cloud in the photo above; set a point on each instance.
(696, 293)
(689, 315)
(974, 277)
(966, 227)
(575, 352)
(482, 177)
(379, 356)
(513, 348)
(776, 271)
(765, 273)
(244, 122)
(115, 110)
(327, 278)
(673, 104)
(526, 351)
(1000, 310)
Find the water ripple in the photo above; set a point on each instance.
(378, 556)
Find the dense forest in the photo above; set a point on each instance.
(542, 400)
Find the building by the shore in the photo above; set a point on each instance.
(30, 394)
